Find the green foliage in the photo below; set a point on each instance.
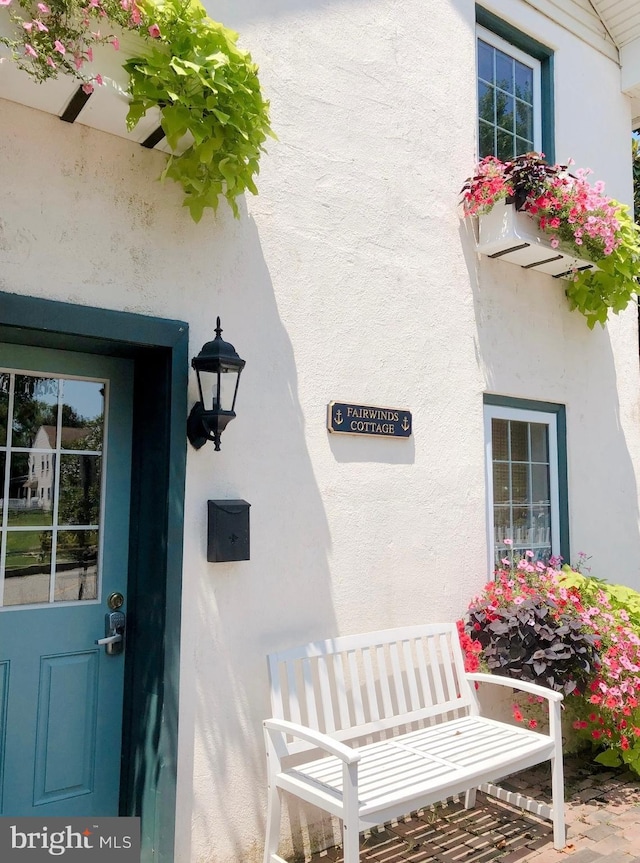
(635, 155)
(207, 88)
(614, 283)
(189, 67)
(620, 597)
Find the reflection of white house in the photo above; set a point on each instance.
(36, 490)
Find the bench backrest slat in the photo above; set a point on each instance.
(352, 686)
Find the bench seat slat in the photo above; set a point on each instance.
(414, 763)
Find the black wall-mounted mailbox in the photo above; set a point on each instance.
(228, 530)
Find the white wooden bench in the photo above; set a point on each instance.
(403, 701)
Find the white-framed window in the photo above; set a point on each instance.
(523, 483)
(509, 98)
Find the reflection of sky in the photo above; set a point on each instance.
(85, 397)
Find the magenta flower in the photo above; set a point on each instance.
(87, 88)
(154, 31)
(51, 63)
(116, 43)
(99, 80)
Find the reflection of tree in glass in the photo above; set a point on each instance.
(502, 115)
(29, 411)
(79, 500)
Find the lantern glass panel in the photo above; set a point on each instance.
(228, 386)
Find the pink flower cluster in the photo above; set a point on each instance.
(56, 39)
(571, 210)
(607, 712)
(563, 204)
(486, 188)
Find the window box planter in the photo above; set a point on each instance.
(513, 236)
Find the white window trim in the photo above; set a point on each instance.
(506, 47)
(528, 416)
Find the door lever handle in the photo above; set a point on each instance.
(110, 639)
(114, 626)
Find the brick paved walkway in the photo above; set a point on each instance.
(603, 825)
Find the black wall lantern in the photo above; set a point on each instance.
(218, 368)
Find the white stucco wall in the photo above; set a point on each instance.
(350, 277)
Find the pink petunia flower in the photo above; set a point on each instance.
(154, 31)
(42, 7)
(59, 47)
(30, 50)
(5, 2)
(87, 88)
(116, 43)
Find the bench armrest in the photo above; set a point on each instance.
(523, 685)
(322, 741)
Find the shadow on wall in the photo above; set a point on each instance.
(281, 598)
(530, 345)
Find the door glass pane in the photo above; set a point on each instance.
(4, 406)
(82, 415)
(79, 501)
(35, 411)
(77, 565)
(31, 482)
(52, 445)
(27, 567)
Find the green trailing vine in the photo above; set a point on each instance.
(189, 67)
(615, 282)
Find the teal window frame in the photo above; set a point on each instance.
(544, 55)
(558, 411)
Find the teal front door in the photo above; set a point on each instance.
(65, 466)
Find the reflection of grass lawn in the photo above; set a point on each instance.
(23, 548)
(30, 517)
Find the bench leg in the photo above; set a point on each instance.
(557, 799)
(350, 819)
(274, 810)
(470, 798)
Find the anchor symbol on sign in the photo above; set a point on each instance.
(338, 417)
(405, 424)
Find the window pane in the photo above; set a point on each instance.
(35, 411)
(524, 82)
(79, 489)
(500, 439)
(82, 415)
(486, 140)
(27, 567)
(504, 142)
(522, 146)
(4, 406)
(502, 524)
(486, 102)
(505, 107)
(76, 565)
(520, 483)
(501, 483)
(524, 120)
(504, 72)
(539, 442)
(485, 61)
(519, 441)
(540, 483)
(31, 481)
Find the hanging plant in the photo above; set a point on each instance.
(189, 67)
(577, 217)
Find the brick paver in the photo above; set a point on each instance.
(603, 819)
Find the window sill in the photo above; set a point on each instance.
(512, 236)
